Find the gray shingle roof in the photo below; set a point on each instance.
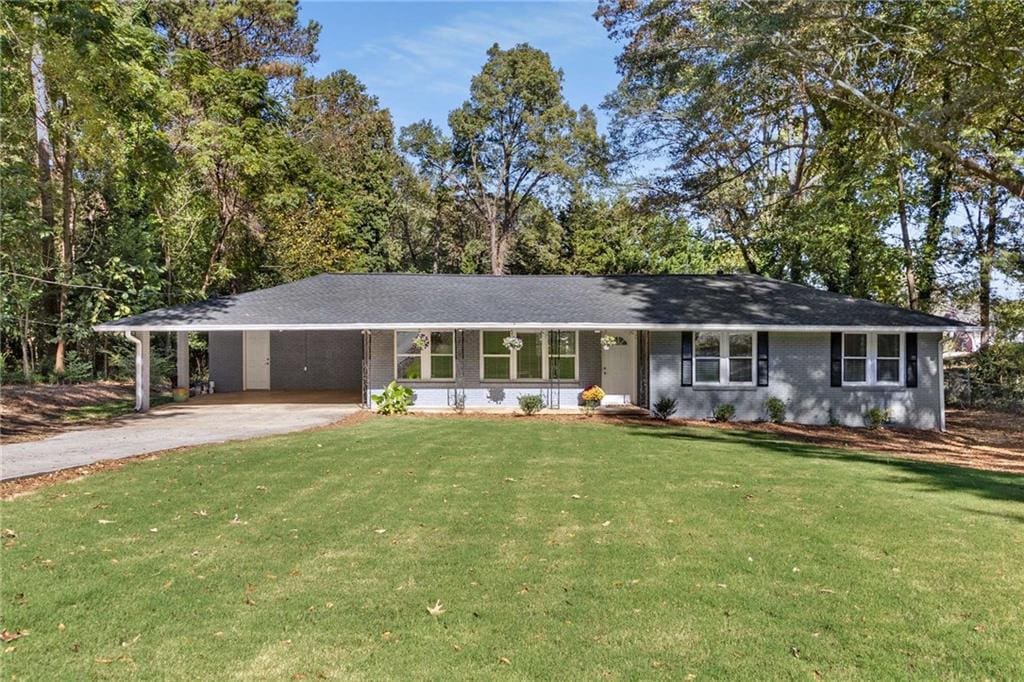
(368, 301)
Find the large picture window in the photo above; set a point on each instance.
(540, 356)
(434, 360)
(723, 358)
(870, 358)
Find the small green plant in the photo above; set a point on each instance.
(724, 412)
(76, 369)
(876, 417)
(531, 403)
(833, 420)
(776, 409)
(395, 399)
(459, 404)
(664, 407)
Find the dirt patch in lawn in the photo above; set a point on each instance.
(992, 441)
(30, 412)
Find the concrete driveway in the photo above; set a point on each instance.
(164, 428)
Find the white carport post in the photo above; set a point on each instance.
(141, 370)
(181, 346)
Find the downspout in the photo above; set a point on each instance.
(138, 363)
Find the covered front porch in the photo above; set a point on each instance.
(473, 369)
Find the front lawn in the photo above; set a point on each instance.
(559, 550)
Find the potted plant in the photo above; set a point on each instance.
(592, 396)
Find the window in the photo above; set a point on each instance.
(888, 363)
(707, 351)
(855, 358)
(741, 358)
(562, 355)
(872, 358)
(723, 357)
(543, 355)
(435, 361)
(497, 360)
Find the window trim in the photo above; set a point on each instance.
(872, 358)
(513, 356)
(425, 354)
(725, 359)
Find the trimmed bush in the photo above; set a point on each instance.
(724, 412)
(664, 407)
(776, 409)
(531, 403)
(876, 417)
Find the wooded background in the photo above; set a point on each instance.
(155, 153)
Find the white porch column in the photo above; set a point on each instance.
(142, 372)
(181, 346)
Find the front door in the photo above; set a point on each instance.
(257, 361)
(618, 370)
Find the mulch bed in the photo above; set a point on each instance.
(37, 411)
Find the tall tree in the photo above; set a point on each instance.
(513, 141)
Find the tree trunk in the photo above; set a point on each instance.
(987, 255)
(44, 164)
(908, 246)
(939, 207)
(26, 360)
(67, 248)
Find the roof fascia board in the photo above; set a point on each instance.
(405, 326)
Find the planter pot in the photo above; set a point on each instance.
(180, 394)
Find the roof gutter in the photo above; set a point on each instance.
(416, 326)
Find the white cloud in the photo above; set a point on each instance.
(443, 58)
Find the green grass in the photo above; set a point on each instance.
(687, 551)
(108, 409)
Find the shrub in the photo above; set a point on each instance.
(76, 369)
(724, 412)
(531, 403)
(395, 399)
(776, 409)
(664, 407)
(876, 417)
(833, 420)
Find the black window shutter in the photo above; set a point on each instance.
(687, 352)
(912, 360)
(837, 359)
(762, 358)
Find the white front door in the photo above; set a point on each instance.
(618, 371)
(256, 363)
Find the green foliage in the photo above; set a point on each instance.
(531, 404)
(876, 417)
(395, 399)
(76, 370)
(991, 377)
(776, 409)
(664, 407)
(833, 420)
(724, 412)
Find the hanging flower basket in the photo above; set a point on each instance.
(608, 341)
(422, 341)
(512, 342)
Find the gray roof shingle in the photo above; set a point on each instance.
(369, 301)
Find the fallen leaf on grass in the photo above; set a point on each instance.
(9, 636)
(980, 628)
(8, 533)
(105, 521)
(504, 661)
(575, 497)
(380, 530)
(235, 521)
(437, 609)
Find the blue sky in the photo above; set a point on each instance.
(418, 57)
